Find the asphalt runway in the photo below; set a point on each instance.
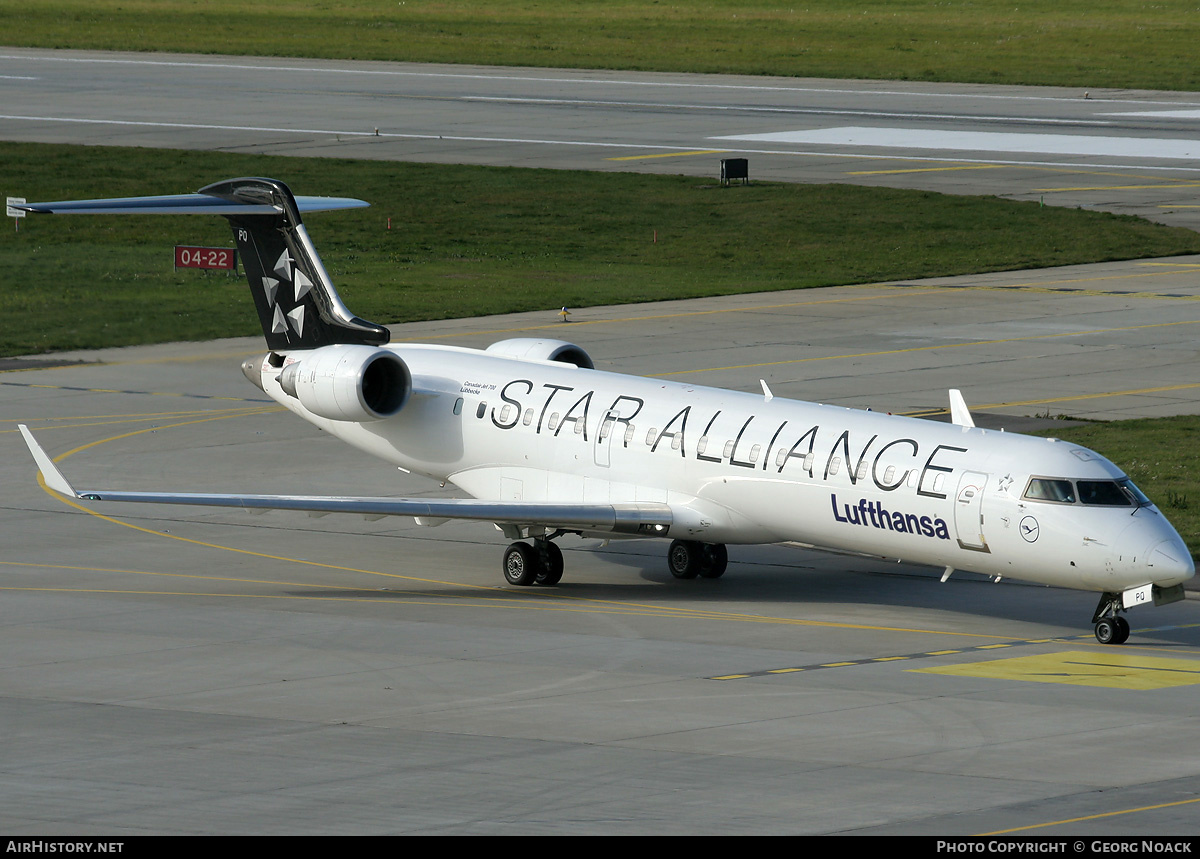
(205, 671)
(1132, 152)
(199, 671)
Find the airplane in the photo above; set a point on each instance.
(546, 445)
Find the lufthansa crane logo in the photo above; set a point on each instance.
(1029, 529)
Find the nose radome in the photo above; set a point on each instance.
(1171, 562)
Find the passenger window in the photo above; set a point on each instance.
(481, 411)
(889, 474)
(504, 414)
(553, 422)
(728, 452)
(754, 452)
(458, 406)
(702, 444)
(651, 435)
(528, 419)
(835, 464)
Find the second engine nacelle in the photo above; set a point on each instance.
(349, 382)
(537, 349)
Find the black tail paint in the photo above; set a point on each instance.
(296, 301)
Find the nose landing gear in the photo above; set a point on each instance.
(1111, 628)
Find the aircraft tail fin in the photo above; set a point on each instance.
(297, 304)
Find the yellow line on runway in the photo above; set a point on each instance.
(621, 320)
(1129, 393)
(263, 410)
(1091, 817)
(669, 154)
(1120, 187)
(896, 292)
(501, 600)
(138, 415)
(930, 348)
(54, 367)
(926, 170)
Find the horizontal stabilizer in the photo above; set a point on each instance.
(185, 204)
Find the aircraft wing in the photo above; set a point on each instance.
(632, 518)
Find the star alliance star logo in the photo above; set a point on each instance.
(293, 319)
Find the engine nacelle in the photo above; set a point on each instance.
(537, 349)
(349, 382)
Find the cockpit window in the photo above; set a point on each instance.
(1100, 493)
(1046, 489)
(1104, 492)
(1128, 487)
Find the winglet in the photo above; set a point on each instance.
(959, 413)
(50, 473)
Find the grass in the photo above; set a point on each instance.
(469, 241)
(1077, 43)
(1161, 456)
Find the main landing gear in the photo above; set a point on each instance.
(687, 559)
(542, 563)
(1111, 628)
(539, 564)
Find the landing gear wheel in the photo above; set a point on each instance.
(1106, 630)
(715, 559)
(1111, 628)
(521, 564)
(684, 559)
(551, 571)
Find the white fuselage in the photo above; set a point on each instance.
(743, 468)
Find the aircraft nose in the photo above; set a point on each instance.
(1151, 545)
(1172, 562)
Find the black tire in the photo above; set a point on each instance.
(1107, 631)
(551, 572)
(521, 564)
(714, 559)
(1122, 630)
(684, 559)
